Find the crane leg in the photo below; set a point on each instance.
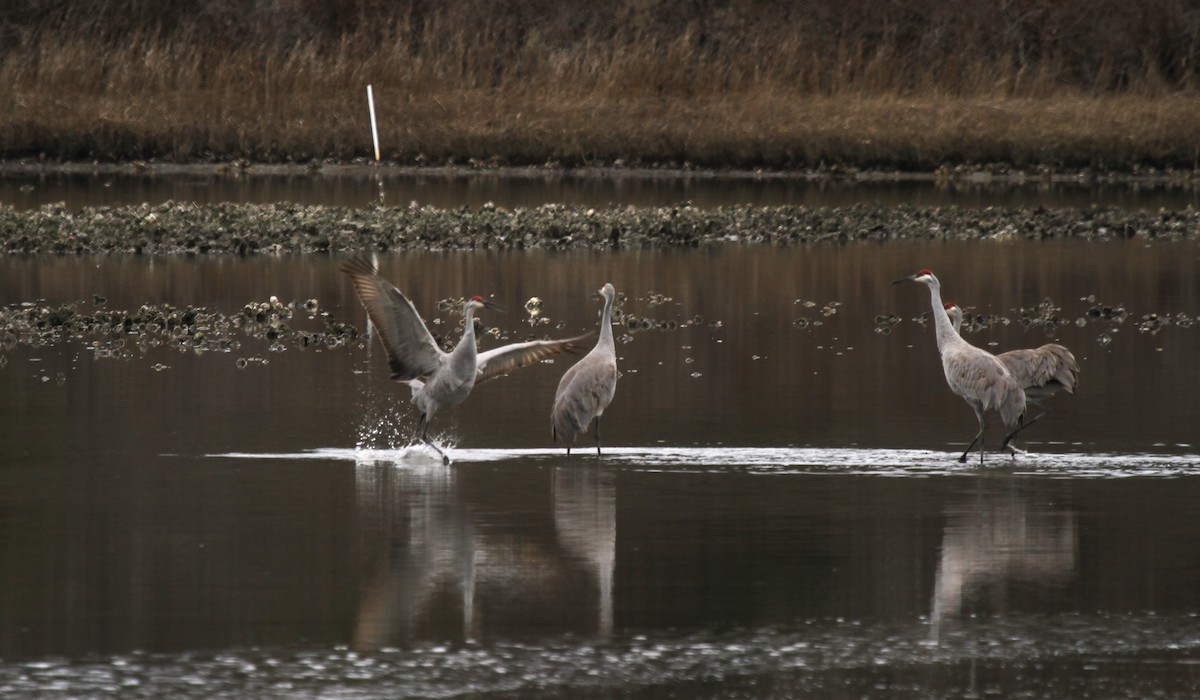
(978, 437)
(422, 432)
(963, 457)
(596, 429)
(1021, 427)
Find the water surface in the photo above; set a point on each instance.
(449, 188)
(778, 512)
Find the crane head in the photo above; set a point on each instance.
(924, 277)
(955, 313)
(605, 292)
(478, 302)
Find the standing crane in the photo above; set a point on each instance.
(438, 379)
(973, 373)
(586, 389)
(1042, 371)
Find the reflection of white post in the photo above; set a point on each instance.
(585, 517)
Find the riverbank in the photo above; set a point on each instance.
(911, 86)
(775, 131)
(243, 229)
(975, 173)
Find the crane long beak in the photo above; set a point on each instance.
(596, 295)
(910, 278)
(495, 306)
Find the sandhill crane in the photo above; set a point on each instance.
(1042, 371)
(972, 373)
(586, 389)
(438, 379)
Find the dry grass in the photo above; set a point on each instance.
(654, 82)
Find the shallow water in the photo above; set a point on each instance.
(361, 186)
(778, 511)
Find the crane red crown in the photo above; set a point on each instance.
(925, 272)
(477, 298)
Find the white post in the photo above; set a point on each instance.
(374, 128)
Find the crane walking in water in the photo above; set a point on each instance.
(438, 379)
(586, 389)
(1041, 372)
(972, 373)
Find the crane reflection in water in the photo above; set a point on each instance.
(438, 564)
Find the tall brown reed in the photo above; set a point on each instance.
(917, 83)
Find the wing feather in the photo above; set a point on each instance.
(498, 362)
(567, 378)
(1041, 366)
(412, 352)
(977, 375)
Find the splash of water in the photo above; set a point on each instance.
(384, 424)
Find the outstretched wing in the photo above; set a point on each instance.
(412, 352)
(502, 360)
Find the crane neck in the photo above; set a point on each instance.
(606, 334)
(941, 320)
(466, 346)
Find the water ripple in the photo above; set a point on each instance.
(815, 654)
(783, 460)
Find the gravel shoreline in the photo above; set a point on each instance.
(175, 228)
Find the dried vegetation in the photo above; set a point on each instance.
(914, 84)
(174, 228)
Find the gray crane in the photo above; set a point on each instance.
(1042, 371)
(586, 389)
(438, 379)
(973, 373)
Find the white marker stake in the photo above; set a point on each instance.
(374, 128)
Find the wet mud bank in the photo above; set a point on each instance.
(242, 229)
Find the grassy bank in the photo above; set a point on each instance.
(914, 85)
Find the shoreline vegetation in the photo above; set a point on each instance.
(245, 229)
(1043, 86)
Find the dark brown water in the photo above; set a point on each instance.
(359, 186)
(779, 512)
